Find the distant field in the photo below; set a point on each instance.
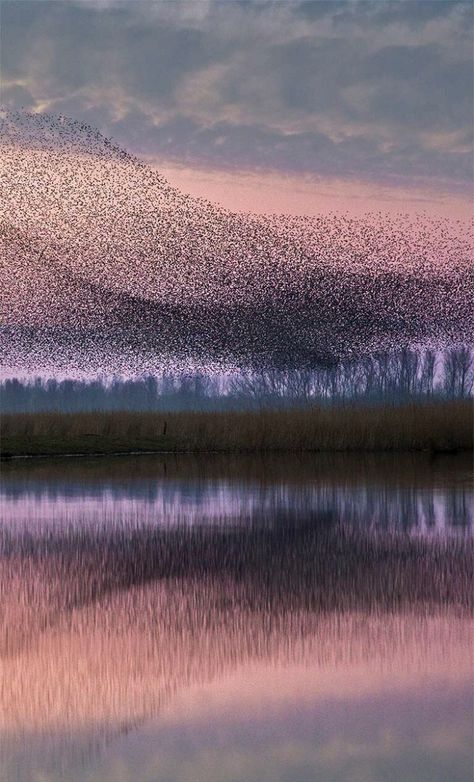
(438, 426)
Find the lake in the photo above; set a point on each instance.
(175, 618)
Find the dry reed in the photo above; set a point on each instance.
(436, 426)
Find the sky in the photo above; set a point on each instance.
(299, 107)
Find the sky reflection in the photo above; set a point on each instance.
(313, 639)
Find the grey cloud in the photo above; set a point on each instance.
(232, 146)
(372, 89)
(415, 92)
(410, 12)
(18, 96)
(418, 12)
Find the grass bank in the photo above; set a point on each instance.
(437, 427)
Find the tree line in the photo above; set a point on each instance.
(385, 377)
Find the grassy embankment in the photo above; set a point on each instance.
(437, 427)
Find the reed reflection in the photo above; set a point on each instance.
(384, 491)
(119, 640)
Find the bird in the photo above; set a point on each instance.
(107, 268)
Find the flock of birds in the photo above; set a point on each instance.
(107, 268)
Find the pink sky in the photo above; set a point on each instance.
(272, 192)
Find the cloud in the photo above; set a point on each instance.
(375, 90)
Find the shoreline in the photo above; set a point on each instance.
(9, 457)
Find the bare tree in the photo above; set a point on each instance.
(458, 372)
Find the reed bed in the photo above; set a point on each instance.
(437, 426)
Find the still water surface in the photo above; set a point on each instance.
(236, 619)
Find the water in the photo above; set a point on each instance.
(281, 619)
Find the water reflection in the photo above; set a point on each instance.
(196, 638)
(410, 493)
